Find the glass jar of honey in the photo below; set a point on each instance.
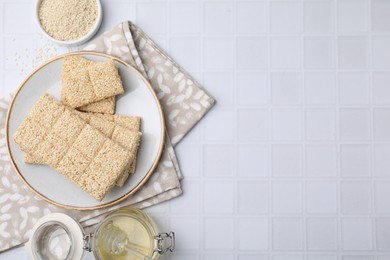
(123, 234)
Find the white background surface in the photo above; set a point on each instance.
(294, 161)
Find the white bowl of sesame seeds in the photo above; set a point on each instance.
(69, 22)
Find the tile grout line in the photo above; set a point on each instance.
(303, 137)
(235, 80)
(338, 130)
(237, 216)
(293, 142)
(201, 217)
(269, 132)
(372, 137)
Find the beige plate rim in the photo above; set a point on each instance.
(148, 174)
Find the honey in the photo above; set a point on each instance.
(124, 238)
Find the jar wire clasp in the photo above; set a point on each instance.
(165, 242)
(87, 242)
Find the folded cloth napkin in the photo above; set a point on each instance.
(184, 103)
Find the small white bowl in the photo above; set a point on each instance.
(76, 42)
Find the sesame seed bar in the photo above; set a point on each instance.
(123, 130)
(85, 82)
(104, 106)
(71, 146)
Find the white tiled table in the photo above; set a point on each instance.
(294, 161)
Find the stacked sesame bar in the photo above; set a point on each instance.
(89, 85)
(123, 130)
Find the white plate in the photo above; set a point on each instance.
(138, 99)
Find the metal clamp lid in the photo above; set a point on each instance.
(163, 245)
(87, 242)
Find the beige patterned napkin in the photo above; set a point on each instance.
(184, 103)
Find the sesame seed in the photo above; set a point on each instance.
(67, 20)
